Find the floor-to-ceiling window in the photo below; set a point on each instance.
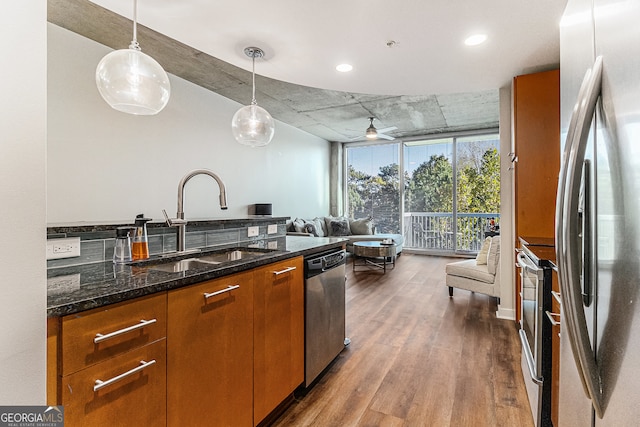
(373, 185)
(441, 193)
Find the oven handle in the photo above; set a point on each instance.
(525, 263)
(567, 227)
(529, 358)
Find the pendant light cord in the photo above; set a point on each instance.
(253, 73)
(134, 43)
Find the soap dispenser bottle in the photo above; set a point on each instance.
(140, 242)
(122, 248)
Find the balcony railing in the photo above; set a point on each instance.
(435, 231)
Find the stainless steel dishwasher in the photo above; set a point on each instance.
(324, 311)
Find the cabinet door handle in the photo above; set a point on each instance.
(552, 319)
(100, 337)
(286, 270)
(221, 291)
(101, 384)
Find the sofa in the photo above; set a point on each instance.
(481, 274)
(354, 230)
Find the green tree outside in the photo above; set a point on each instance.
(430, 189)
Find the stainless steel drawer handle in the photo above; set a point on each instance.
(101, 384)
(552, 317)
(221, 291)
(100, 337)
(286, 270)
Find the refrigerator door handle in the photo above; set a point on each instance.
(561, 265)
(568, 248)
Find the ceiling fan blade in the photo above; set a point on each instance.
(389, 129)
(387, 137)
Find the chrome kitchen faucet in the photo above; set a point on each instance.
(180, 222)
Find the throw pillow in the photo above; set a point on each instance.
(340, 227)
(494, 255)
(327, 221)
(289, 225)
(310, 227)
(320, 227)
(361, 226)
(481, 258)
(299, 224)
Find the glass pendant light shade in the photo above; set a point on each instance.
(133, 82)
(252, 125)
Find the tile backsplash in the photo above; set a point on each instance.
(97, 241)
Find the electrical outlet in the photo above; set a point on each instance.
(272, 229)
(272, 245)
(63, 248)
(253, 231)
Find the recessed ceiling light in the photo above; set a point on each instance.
(344, 68)
(475, 40)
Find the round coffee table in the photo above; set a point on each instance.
(374, 254)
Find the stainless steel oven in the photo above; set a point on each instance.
(535, 332)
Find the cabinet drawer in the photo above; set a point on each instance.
(96, 335)
(137, 396)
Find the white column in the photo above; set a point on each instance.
(506, 308)
(23, 131)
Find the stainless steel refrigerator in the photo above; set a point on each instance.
(598, 214)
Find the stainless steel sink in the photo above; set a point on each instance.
(182, 265)
(234, 255)
(206, 260)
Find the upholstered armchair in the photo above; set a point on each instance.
(481, 274)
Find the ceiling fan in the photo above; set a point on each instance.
(373, 133)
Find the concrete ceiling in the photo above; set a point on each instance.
(445, 86)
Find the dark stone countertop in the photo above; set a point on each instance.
(77, 288)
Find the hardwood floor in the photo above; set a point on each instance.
(418, 357)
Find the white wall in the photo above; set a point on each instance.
(104, 165)
(22, 203)
(506, 309)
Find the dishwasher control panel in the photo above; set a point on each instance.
(316, 264)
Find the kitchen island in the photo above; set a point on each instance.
(217, 343)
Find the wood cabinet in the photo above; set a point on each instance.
(210, 353)
(536, 140)
(278, 334)
(224, 352)
(112, 370)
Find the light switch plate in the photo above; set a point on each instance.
(63, 248)
(253, 231)
(272, 229)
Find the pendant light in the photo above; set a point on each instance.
(131, 81)
(252, 125)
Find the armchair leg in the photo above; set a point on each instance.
(450, 291)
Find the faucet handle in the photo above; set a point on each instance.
(173, 222)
